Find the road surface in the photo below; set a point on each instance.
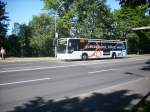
(47, 86)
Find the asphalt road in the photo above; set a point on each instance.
(28, 86)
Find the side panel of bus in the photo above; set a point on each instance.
(75, 49)
(104, 49)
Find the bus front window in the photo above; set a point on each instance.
(61, 45)
(73, 45)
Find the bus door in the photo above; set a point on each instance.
(106, 50)
(120, 47)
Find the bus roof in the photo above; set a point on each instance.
(106, 41)
(96, 40)
(141, 28)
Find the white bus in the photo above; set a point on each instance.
(81, 48)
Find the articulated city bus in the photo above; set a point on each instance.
(81, 48)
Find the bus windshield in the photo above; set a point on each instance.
(73, 45)
(61, 45)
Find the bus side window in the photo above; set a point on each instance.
(82, 45)
(120, 46)
(103, 46)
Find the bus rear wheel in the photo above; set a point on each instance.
(84, 57)
(114, 56)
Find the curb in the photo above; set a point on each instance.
(141, 102)
(27, 59)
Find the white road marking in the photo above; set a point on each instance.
(40, 68)
(66, 66)
(26, 67)
(102, 71)
(13, 64)
(26, 81)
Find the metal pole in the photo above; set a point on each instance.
(56, 35)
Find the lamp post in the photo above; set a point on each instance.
(56, 34)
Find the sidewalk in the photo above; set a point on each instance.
(20, 59)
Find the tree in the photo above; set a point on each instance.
(3, 24)
(133, 3)
(24, 39)
(131, 15)
(42, 35)
(16, 28)
(91, 18)
(13, 45)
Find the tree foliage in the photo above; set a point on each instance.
(91, 18)
(3, 23)
(18, 41)
(133, 3)
(16, 28)
(24, 37)
(42, 35)
(131, 15)
(130, 18)
(13, 45)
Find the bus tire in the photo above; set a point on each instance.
(114, 56)
(84, 56)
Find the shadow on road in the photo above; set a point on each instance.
(134, 74)
(147, 66)
(110, 102)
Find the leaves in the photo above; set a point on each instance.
(42, 34)
(133, 3)
(128, 18)
(3, 24)
(83, 17)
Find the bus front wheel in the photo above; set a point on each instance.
(84, 57)
(114, 56)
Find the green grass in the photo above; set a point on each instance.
(145, 107)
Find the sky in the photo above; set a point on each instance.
(21, 11)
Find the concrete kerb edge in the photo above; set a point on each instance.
(141, 102)
(11, 59)
(27, 59)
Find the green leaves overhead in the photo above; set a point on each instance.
(51, 4)
(131, 15)
(133, 3)
(82, 17)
